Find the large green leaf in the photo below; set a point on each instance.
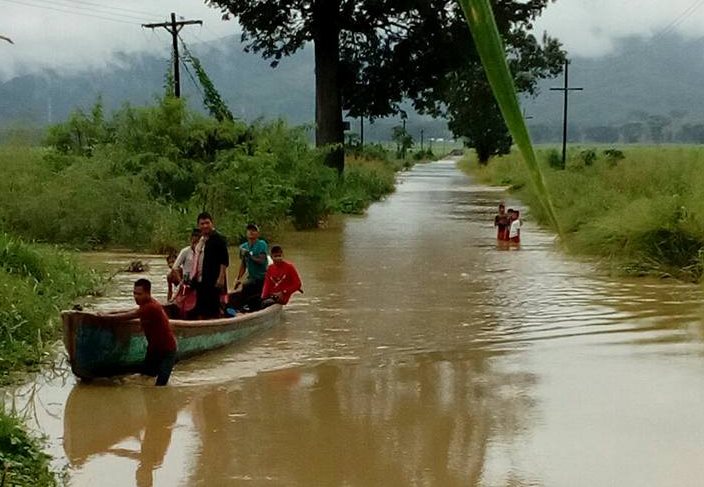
(487, 40)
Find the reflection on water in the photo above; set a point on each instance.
(419, 355)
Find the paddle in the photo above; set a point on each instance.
(487, 41)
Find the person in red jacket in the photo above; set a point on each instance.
(281, 279)
(161, 341)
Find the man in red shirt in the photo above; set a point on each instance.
(281, 279)
(161, 342)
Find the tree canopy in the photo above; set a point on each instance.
(372, 54)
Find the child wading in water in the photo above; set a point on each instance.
(514, 233)
(502, 223)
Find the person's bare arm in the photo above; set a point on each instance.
(220, 283)
(121, 315)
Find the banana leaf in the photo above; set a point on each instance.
(489, 45)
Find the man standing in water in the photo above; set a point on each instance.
(213, 276)
(161, 342)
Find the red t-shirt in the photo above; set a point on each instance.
(282, 278)
(156, 327)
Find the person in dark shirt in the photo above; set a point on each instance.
(502, 224)
(213, 277)
(161, 341)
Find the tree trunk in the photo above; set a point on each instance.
(483, 155)
(328, 98)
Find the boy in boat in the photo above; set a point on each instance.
(161, 341)
(514, 233)
(502, 223)
(172, 279)
(281, 279)
(183, 265)
(253, 254)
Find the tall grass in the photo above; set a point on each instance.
(643, 214)
(139, 179)
(35, 282)
(21, 458)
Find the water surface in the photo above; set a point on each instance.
(420, 354)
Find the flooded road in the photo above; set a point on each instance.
(418, 355)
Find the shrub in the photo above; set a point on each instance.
(21, 457)
(554, 159)
(588, 157)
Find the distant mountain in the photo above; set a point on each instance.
(248, 84)
(654, 83)
(646, 90)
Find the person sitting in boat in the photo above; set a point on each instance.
(161, 341)
(172, 279)
(183, 265)
(281, 279)
(253, 260)
(212, 284)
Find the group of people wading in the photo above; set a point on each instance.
(197, 289)
(508, 226)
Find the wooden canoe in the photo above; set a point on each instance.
(98, 347)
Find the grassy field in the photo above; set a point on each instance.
(639, 208)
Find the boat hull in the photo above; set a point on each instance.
(98, 347)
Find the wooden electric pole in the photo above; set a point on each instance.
(566, 89)
(173, 28)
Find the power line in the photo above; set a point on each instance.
(109, 7)
(45, 7)
(680, 18)
(96, 10)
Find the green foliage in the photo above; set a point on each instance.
(644, 215)
(613, 156)
(211, 97)
(35, 282)
(21, 456)
(588, 157)
(403, 140)
(554, 159)
(147, 172)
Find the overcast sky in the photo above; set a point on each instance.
(80, 33)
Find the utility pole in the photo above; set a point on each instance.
(566, 89)
(173, 28)
(422, 132)
(361, 130)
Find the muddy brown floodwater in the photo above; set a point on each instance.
(418, 355)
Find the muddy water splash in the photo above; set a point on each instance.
(420, 354)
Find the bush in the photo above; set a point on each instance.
(21, 457)
(554, 159)
(588, 157)
(35, 282)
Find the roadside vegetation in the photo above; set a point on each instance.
(36, 281)
(21, 457)
(138, 178)
(640, 209)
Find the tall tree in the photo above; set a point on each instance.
(372, 54)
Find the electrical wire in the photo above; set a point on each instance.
(109, 7)
(46, 7)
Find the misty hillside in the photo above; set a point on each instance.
(645, 90)
(248, 84)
